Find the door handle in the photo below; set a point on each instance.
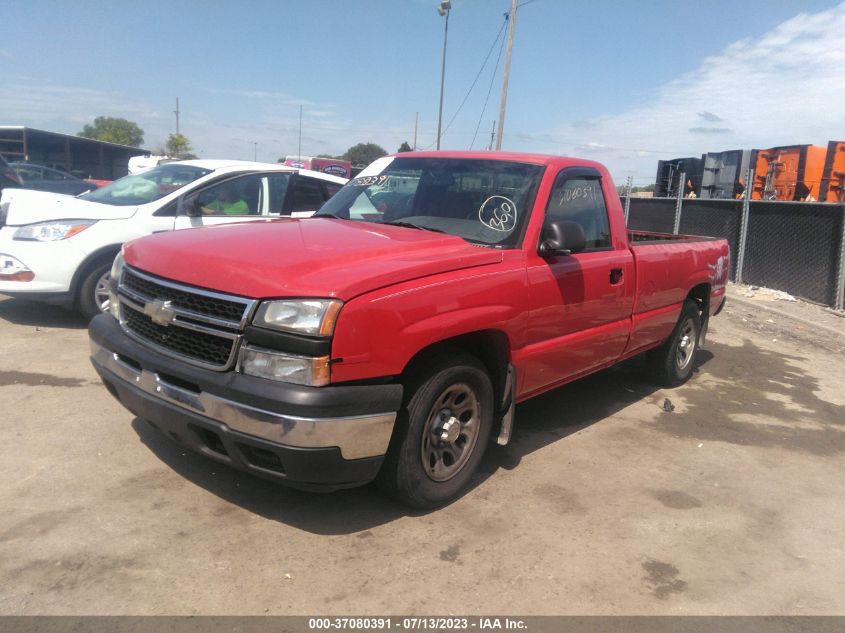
(615, 276)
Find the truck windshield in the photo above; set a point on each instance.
(482, 201)
(147, 186)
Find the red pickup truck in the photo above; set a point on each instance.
(389, 336)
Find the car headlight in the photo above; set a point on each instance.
(117, 267)
(52, 231)
(301, 370)
(114, 276)
(315, 317)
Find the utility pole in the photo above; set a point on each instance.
(255, 150)
(444, 9)
(299, 152)
(492, 136)
(176, 112)
(416, 126)
(506, 74)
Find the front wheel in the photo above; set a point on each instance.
(93, 295)
(674, 361)
(441, 434)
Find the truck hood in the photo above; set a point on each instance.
(314, 257)
(26, 206)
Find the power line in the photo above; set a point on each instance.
(474, 81)
(490, 88)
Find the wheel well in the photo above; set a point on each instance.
(701, 295)
(94, 259)
(491, 347)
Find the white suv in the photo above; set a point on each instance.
(59, 248)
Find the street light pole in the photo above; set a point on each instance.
(444, 9)
(506, 75)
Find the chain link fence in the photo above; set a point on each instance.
(797, 247)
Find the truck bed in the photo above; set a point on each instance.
(647, 237)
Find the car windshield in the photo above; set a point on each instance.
(146, 187)
(482, 201)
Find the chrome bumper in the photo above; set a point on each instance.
(356, 436)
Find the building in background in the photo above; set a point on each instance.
(83, 157)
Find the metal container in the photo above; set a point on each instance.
(723, 174)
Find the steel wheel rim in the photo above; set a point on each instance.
(686, 345)
(101, 293)
(450, 432)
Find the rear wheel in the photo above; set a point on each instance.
(93, 295)
(441, 435)
(674, 361)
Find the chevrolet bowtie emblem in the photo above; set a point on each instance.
(160, 312)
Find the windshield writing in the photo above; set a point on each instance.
(483, 201)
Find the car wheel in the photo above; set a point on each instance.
(93, 295)
(674, 361)
(441, 435)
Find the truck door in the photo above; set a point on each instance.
(580, 304)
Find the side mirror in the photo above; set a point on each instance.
(562, 237)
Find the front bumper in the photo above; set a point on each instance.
(309, 437)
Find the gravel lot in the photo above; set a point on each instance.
(734, 503)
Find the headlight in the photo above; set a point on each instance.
(114, 280)
(315, 317)
(52, 231)
(301, 370)
(117, 267)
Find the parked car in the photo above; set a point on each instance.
(58, 248)
(8, 176)
(390, 337)
(47, 179)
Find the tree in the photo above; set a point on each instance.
(364, 153)
(178, 146)
(404, 147)
(114, 130)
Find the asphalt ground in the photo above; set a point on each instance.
(605, 503)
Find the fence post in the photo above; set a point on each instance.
(840, 277)
(628, 186)
(743, 226)
(682, 182)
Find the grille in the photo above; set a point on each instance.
(210, 306)
(198, 346)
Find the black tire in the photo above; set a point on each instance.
(441, 433)
(674, 361)
(87, 303)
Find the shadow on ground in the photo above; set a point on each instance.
(24, 312)
(761, 398)
(541, 421)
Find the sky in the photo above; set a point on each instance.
(625, 83)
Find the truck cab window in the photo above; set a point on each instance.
(580, 199)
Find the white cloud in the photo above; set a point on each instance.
(269, 118)
(783, 88)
